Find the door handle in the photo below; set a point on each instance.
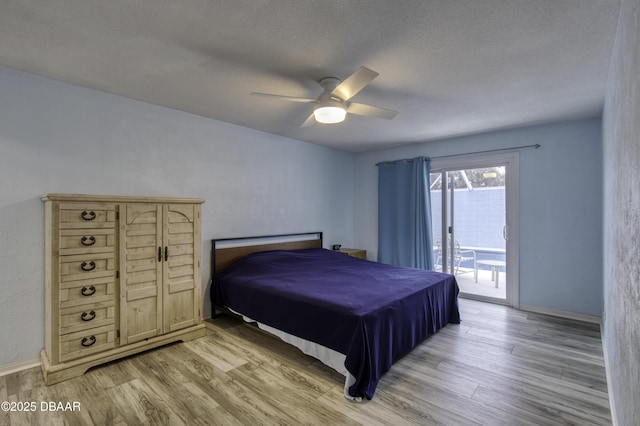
(505, 232)
(90, 266)
(166, 253)
(88, 215)
(88, 241)
(88, 291)
(88, 341)
(88, 316)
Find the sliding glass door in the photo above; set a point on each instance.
(473, 201)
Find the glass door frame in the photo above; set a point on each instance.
(511, 162)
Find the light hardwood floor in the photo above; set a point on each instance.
(500, 366)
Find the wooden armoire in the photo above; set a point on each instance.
(122, 275)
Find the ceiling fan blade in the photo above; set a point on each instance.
(310, 121)
(283, 98)
(354, 83)
(371, 111)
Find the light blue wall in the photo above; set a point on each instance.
(560, 207)
(621, 140)
(55, 137)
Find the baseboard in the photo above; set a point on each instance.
(14, 367)
(562, 314)
(612, 405)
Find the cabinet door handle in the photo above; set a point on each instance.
(88, 291)
(88, 316)
(166, 253)
(88, 266)
(88, 241)
(159, 254)
(86, 342)
(85, 215)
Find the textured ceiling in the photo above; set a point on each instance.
(448, 67)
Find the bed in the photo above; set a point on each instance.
(356, 316)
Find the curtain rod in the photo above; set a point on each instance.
(536, 146)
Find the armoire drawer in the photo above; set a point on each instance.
(87, 216)
(84, 241)
(87, 266)
(85, 317)
(84, 292)
(87, 342)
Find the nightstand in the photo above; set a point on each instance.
(359, 253)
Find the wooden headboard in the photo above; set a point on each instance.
(226, 251)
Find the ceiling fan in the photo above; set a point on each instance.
(333, 104)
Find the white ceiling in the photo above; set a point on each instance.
(449, 67)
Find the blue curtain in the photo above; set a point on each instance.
(404, 213)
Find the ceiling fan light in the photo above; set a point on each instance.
(330, 114)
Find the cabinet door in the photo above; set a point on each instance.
(181, 266)
(141, 258)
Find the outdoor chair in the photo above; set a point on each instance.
(459, 255)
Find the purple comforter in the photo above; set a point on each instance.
(371, 312)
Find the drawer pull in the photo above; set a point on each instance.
(88, 266)
(88, 241)
(86, 342)
(88, 316)
(85, 215)
(88, 291)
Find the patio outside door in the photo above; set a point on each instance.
(474, 229)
